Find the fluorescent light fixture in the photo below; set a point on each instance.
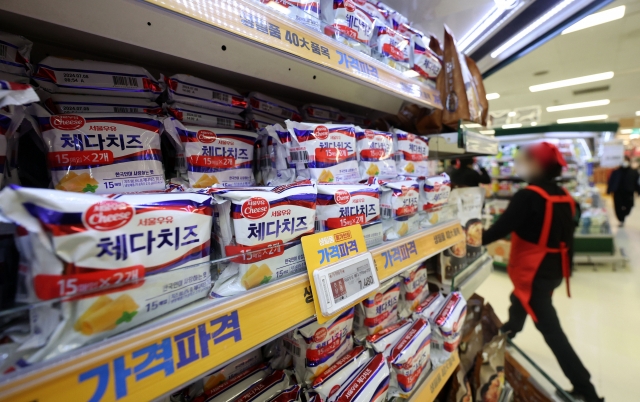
(407, 73)
(515, 125)
(626, 131)
(572, 81)
(638, 113)
(517, 37)
(534, 123)
(493, 96)
(511, 114)
(472, 125)
(592, 20)
(480, 27)
(487, 131)
(580, 105)
(583, 118)
(634, 136)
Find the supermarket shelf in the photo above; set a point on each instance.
(259, 315)
(223, 44)
(465, 143)
(432, 385)
(476, 273)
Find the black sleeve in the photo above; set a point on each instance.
(512, 218)
(610, 182)
(484, 176)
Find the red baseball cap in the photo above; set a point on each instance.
(546, 154)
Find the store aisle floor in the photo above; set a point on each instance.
(601, 319)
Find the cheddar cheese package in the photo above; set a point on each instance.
(214, 156)
(199, 116)
(435, 192)
(425, 61)
(92, 241)
(267, 388)
(315, 347)
(385, 339)
(282, 171)
(328, 383)
(16, 94)
(291, 394)
(321, 113)
(328, 150)
(61, 103)
(15, 52)
(349, 22)
(272, 107)
(375, 152)
(229, 390)
(447, 328)
(412, 153)
(102, 153)
(414, 289)
(377, 311)
(399, 208)
(190, 90)
(89, 77)
(341, 205)
(370, 384)
(410, 359)
(429, 307)
(393, 48)
(259, 121)
(231, 370)
(305, 12)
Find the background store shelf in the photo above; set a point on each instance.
(464, 143)
(473, 276)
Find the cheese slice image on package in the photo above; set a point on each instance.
(90, 241)
(71, 103)
(199, 116)
(342, 205)
(375, 151)
(383, 340)
(61, 75)
(15, 52)
(412, 154)
(399, 208)
(329, 382)
(269, 387)
(328, 150)
(219, 156)
(195, 91)
(102, 153)
(414, 289)
(370, 384)
(378, 311)
(315, 347)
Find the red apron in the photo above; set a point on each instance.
(525, 257)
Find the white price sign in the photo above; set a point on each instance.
(343, 284)
(612, 154)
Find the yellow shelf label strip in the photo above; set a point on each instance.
(435, 381)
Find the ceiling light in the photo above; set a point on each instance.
(634, 136)
(534, 123)
(638, 113)
(626, 131)
(583, 118)
(487, 131)
(511, 114)
(407, 73)
(493, 96)
(572, 81)
(517, 37)
(515, 125)
(580, 105)
(482, 26)
(602, 17)
(472, 125)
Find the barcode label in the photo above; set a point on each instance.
(121, 81)
(117, 109)
(3, 51)
(319, 226)
(222, 122)
(299, 156)
(219, 96)
(291, 347)
(180, 163)
(386, 212)
(397, 157)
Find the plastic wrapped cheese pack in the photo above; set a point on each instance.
(15, 52)
(13, 94)
(328, 383)
(329, 150)
(102, 153)
(378, 311)
(435, 192)
(231, 389)
(407, 369)
(429, 307)
(267, 388)
(199, 116)
(399, 208)
(412, 153)
(370, 384)
(231, 370)
(276, 109)
(341, 205)
(315, 347)
(413, 290)
(375, 151)
(394, 46)
(190, 90)
(305, 12)
(291, 394)
(88, 241)
(347, 19)
(447, 327)
(425, 62)
(61, 75)
(383, 340)
(282, 171)
(61, 103)
(320, 113)
(219, 156)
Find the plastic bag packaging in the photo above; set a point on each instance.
(232, 388)
(447, 328)
(198, 116)
(347, 19)
(328, 150)
(459, 97)
(14, 94)
(113, 240)
(410, 358)
(329, 382)
(321, 113)
(378, 311)
(277, 355)
(231, 370)
(482, 107)
(102, 153)
(431, 121)
(15, 52)
(429, 307)
(88, 77)
(61, 103)
(393, 47)
(274, 108)
(425, 61)
(316, 347)
(399, 208)
(195, 91)
(435, 192)
(413, 290)
(305, 12)
(376, 150)
(370, 384)
(17, 79)
(489, 370)
(291, 394)
(383, 340)
(222, 157)
(341, 205)
(393, 18)
(412, 153)
(269, 387)
(282, 171)
(260, 121)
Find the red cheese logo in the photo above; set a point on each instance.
(67, 122)
(255, 208)
(342, 197)
(320, 334)
(108, 215)
(378, 298)
(349, 6)
(321, 133)
(369, 134)
(206, 136)
(411, 137)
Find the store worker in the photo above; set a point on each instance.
(466, 176)
(540, 219)
(623, 183)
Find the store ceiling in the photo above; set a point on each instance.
(612, 46)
